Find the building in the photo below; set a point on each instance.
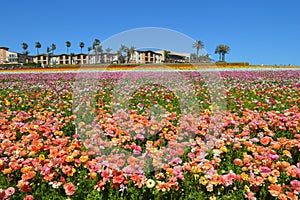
(137, 57)
(146, 57)
(157, 57)
(77, 59)
(175, 57)
(7, 56)
(102, 58)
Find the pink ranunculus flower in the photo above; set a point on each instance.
(140, 137)
(265, 170)
(137, 149)
(28, 197)
(296, 186)
(274, 156)
(69, 189)
(10, 191)
(250, 195)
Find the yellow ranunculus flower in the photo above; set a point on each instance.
(7, 103)
(83, 159)
(41, 157)
(224, 149)
(203, 180)
(245, 176)
(272, 179)
(247, 188)
(69, 159)
(196, 170)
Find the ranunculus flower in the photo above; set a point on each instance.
(10, 191)
(69, 189)
(28, 197)
(274, 156)
(265, 170)
(150, 183)
(238, 162)
(295, 185)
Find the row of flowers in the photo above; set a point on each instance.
(159, 135)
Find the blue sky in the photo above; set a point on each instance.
(258, 31)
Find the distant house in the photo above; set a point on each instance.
(176, 57)
(78, 59)
(157, 57)
(146, 57)
(7, 56)
(137, 57)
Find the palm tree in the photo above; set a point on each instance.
(205, 58)
(99, 49)
(89, 49)
(53, 47)
(123, 48)
(72, 55)
(38, 46)
(198, 45)
(95, 47)
(26, 53)
(120, 52)
(68, 45)
(24, 46)
(81, 45)
(166, 55)
(222, 50)
(129, 52)
(108, 50)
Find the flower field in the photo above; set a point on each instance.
(150, 135)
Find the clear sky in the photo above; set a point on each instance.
(257, 31)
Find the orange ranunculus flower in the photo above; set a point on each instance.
(285, 164)
(282, 196)
(275, 190)
(118, 179)
(291, 196)
(28, 175)
(237, 146)
(265, 140)
(28, 197)
(276, 146)
(7, 171)
(275, 173)
(26, 169)
(169, 170)
(23, 153)
(24, 186)
(238, 162)
(247, 159)
(93, 175)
